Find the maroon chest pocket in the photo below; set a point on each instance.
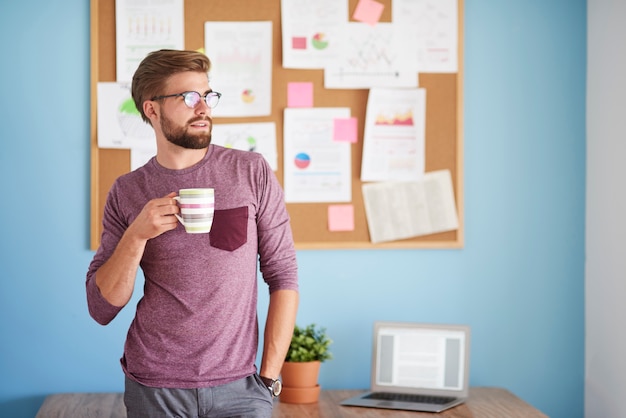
(230, 228)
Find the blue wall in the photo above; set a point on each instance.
(518, 281)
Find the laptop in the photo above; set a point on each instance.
(417, 367)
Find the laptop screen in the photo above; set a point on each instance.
(418, 357)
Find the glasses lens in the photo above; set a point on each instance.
(212, 99)
(192, 98)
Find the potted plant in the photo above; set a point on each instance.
(308, 349)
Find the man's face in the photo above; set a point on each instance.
(183, 126)
(186, 135)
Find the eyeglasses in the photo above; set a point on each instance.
(192, 98)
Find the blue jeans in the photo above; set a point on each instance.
(247, 397)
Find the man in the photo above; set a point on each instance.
(191, 348)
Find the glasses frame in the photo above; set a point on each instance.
(208, 96)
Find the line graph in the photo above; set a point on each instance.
(372, 57)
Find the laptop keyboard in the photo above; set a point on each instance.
(408, 397)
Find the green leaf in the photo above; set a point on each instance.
(309, 344)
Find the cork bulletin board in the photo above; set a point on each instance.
(444, 122)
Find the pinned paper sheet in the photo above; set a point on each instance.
(341, 218)
(404, 209)
(300, 94)
(316, 168)
(368, 11)
(345, 130)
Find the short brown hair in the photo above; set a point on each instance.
(152, 74)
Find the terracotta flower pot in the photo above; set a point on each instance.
(300, 382)
(300, 395)
(300, 374)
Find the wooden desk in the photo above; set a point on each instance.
(482, 403)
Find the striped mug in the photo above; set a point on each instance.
(196, 209)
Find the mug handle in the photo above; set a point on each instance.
(180, 219)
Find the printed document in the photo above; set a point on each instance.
(372, 57)
(241, 67)
(394, 135)
(256, 137)
(119, 122)
(143, 26)
(434, 32)
(400, 210)
(312, 31)
(317, 167)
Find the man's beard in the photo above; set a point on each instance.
(178, 135)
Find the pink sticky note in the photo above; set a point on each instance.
(368, 11)
(344, 129)
(300, 94)
(341, 218)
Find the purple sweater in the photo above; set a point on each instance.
(196, 324)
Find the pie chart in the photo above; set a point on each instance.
(302, 160)
(319, 41)
(247, 96)
(130, 122)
